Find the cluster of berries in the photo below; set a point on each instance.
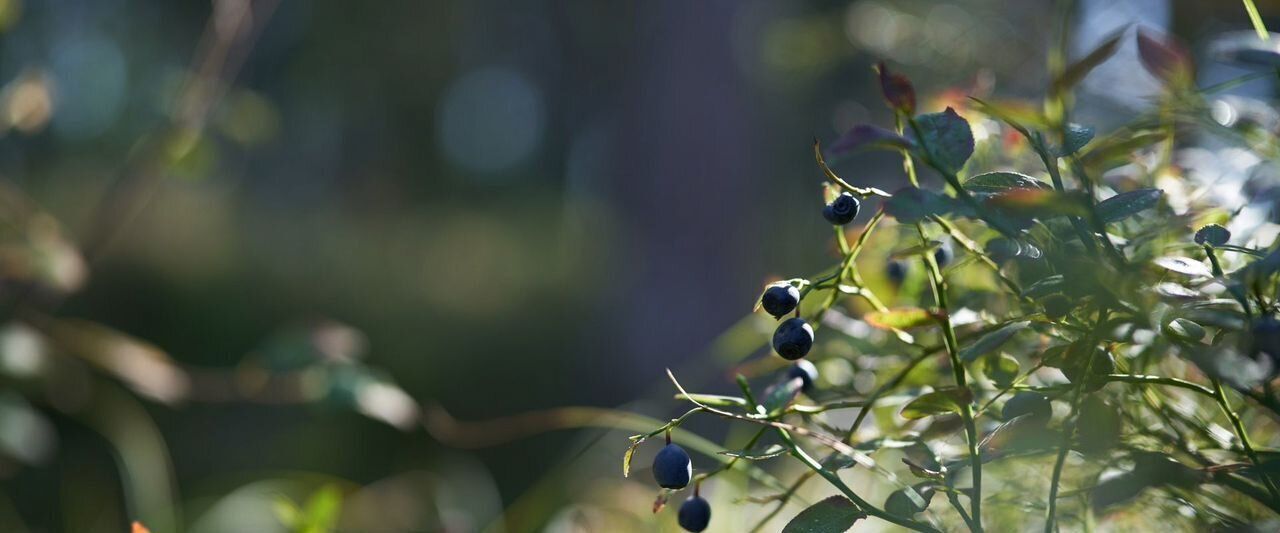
(792, 340)
(673, 469)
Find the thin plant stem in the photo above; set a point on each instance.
(1220, 395)
(1051, 514)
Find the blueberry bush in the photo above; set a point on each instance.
(1067, 329)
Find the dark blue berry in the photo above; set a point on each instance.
(779, 300)
(1056, 306)
(943, 255)
(793, 338)
(1033, 404)
(842, 210)
(806, 372)
(896, 271)
(695, 514)
(1001, 249)
(1266, 336)
(672, 467)
(1213, 235)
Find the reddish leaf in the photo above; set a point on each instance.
(897, 90)
(1038, 203)
(660, 501)
(1164, 57)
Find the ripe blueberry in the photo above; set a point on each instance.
(1266, 337)
(896, 271)
(1001, 249)
(780, 299)
(806, 372)
(695, 514)
(841, 210)
(1056, 306)
(943, 255)
(1035, 405)
(672, 467)
(793, 338)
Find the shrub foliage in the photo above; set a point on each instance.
(1062, 331)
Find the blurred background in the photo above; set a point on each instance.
(248, 245)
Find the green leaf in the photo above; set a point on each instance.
(1232, 319)
(941, 401)
(1175, 291)
(1002, 369)
(1117, 489)
(1127, 204)
(1213, 235)
(714, 400)
(1184, 330)
(900, 318)
(838, 461)
(1260, 269)
(945, 139)
(1074, 138)
(1044, 287)
(999, 182)
(757, 455)
(626, 458)
(991, 341)
(1017, 114)
(778, 396)
(1184, 265)
(833, 515)
(921, 472)
(910, 205)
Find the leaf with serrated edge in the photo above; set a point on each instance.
(998, 182)
(945, 138)
(1127, 204)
